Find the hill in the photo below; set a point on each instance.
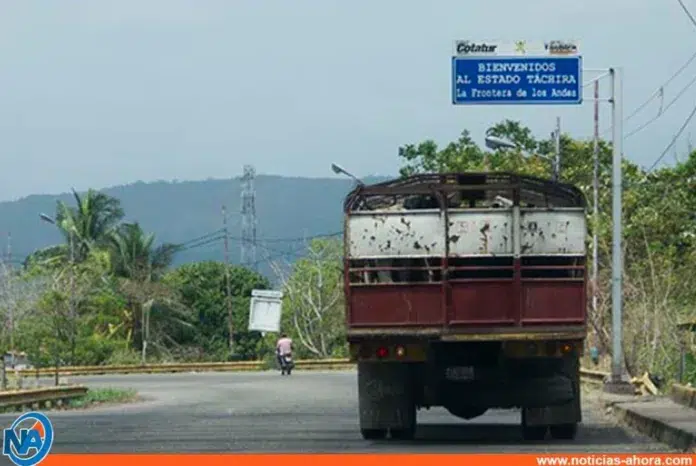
(287, 210)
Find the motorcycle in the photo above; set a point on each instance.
(286, 364)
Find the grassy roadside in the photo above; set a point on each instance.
(103, 396)
(94, 397)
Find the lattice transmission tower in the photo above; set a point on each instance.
(248, 253)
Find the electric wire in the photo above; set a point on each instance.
(664, 110)
(674, 139)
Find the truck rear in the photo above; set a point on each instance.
(466, 291)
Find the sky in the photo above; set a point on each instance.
(109, 92)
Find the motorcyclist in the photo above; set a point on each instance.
(283, 349)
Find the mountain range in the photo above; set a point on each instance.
(288, 211)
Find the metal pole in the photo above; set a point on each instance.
(595, 206)
(228, 289)
(73, 329)
(617, 262)
(9, 290)
(557, 159)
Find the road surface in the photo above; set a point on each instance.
(306, 412)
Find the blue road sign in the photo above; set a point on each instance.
(517, 80)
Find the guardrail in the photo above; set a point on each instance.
(41, 396)
(236, 366)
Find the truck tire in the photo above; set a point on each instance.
(373, 434)
(386, 400)
(568, 430)
(561, 421)
(563, 431)
(533, 433)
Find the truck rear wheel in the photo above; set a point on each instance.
(386, 400)
(373, 434)
(533, 433)
(563, 431)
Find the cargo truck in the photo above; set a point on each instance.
(466, 291)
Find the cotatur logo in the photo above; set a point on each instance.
(465, 47)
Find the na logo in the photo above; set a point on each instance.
(29, 439)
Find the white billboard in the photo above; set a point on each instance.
(265, 310)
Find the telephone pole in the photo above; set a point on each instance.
(595, 203)
(228, 290)
(557, 151)
(8, 289)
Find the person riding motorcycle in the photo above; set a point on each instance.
(284, 351)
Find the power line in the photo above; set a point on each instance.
(664, 110)
(688, 13)
(202, 237)
(201, 243)
(304, 238)
(660, 89)
(674, 139)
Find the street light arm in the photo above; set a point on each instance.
(339, 170)
(47, 218)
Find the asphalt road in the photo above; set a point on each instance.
(306, 412)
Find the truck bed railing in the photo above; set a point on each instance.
(469, 190)
(388, 271)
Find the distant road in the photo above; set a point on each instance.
(306, 412)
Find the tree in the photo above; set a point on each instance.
(51, 334)
(202, 289)
(659, 234)
(138, 266)
(90, 222)
(313, 309)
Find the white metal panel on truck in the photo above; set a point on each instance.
(404, 233)
(553, 232)
(477, 233)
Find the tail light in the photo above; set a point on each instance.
(566, 348)
(382, 352)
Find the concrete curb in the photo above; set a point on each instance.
(658, 429)
(683, 395)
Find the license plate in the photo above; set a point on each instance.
(460, 373)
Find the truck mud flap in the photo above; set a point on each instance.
(385, 396)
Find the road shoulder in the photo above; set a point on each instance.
(658, 417)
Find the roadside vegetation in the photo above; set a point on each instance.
(130, 305)
(103, 396)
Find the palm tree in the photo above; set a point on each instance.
(91, 222)
(139, 266)
(134, 255)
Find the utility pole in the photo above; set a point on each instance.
(617, 384)
(8, 289)
(595, 202)
(228, 290)
(73, 323)
(557, 151)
